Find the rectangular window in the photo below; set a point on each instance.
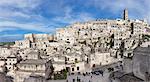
(73, 80)
(77, 68)
(24, 66)
(72, 69)
(78, 80)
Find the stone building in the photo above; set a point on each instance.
(11, 62)
(35, 41)
(2, 65)
(35, 78)
(23, 44)
(79, 46)
(5, 52)
(78, 67)
(66, 35)
(5, 78)
(33, 54)
(37, 66)
(141, 63)
(135, 69)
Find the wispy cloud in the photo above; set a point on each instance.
(137, 8)
(10, 13)
(72, 17)
(25, 26)
(18, 14)
(20, 3)
(46, 15)
(10, 38)
(6, 28)
(38, 22)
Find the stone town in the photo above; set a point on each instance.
(94, 51)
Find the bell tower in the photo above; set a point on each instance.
(125, 14)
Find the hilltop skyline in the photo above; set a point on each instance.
(19, 17)
(74, 41)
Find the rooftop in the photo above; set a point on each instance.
(142, 49)
(34, 61)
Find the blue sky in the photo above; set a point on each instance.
(18, 17)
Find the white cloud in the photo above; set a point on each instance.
(23, 9)
(11, 9)
(85, 16)
(36, 22)
(24, 26)
(20, 3)
(10, 13)
(69, 19)
(21, 14)
(137, 8)
(6, 28)
(18, 8)
(10, 37)
(68, 15)
(72, 17)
